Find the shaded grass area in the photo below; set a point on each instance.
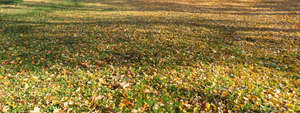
(10, 1)
(111, 56)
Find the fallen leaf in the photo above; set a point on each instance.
(124, 84)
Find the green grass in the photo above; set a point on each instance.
(10, 1)
(120, 56)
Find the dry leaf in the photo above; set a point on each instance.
(124, 84)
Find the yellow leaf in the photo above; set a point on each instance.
(18, 58)
(207, 107)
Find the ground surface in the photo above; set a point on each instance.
(150, 55)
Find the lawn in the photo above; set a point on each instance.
(150, 56)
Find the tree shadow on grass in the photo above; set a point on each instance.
(270, 7)
(68, 5)
(74, 45)
(92, 44)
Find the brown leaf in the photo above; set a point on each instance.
(124, 84)
(4, 63)
(99, 63)
(146, 91)
(84, 65)
(126, 102)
